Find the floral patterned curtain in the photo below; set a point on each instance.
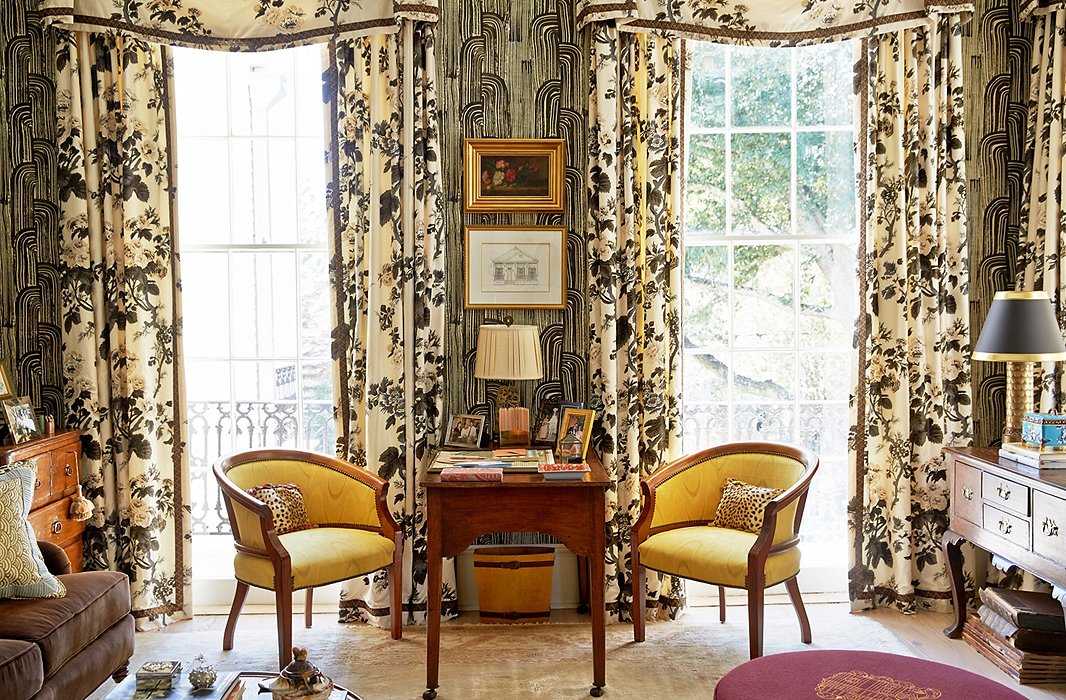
(388, 287)
(913, 391)
(122, 314)
(252, 25)
(634, 251)
(768, 22)
(1042, 216)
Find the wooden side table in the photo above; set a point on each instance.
(1006, 508)
(58, 461)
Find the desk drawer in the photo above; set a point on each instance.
(1006, 494)
(42, 487)
(53, 523)
(1049, 526)
(966, 502)
(1008, 526)
(65, 470)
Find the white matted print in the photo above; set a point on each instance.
(516, 266)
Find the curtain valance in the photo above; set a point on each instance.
(767, 22)
(238, 25)
(1029, 8)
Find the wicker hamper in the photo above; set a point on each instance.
(514, 584)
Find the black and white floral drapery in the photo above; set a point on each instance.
(634, 250)
(388, 287)
(121, 314)
(913, 391)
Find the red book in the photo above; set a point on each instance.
(563, 471)
(471, 474)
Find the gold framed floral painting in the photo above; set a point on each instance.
(513, 175)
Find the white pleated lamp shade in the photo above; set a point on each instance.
(508, 352)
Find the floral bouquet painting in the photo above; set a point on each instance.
(502, 175)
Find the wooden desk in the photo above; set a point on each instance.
(458, 512)
(1005, 508)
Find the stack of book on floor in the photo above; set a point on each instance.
(1021, 632)
(1033, 455)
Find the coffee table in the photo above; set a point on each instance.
(127, 689)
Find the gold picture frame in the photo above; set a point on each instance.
(578, 422)
(515, 267)
(514, 175)
(7, 386)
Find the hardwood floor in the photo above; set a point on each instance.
(924, 634)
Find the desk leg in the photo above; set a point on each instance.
(953, 550)
(596, 595)
(582, 585)
(435, 564)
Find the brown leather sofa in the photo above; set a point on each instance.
(64, 648)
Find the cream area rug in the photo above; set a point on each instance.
(679, 659)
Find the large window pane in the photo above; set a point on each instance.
(204, 191)
(825, 182)
(202, 276)
(761, 184)
(705, 193)
(763, 297)
(827, 294)
(824, 78)
(707, 105)
(761, 87)
(706, 312)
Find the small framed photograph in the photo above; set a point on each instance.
(576, 423)
(546, 428)
(20, 419)
(514, 175)
(7, 387)
(515, 266)
(464, 431)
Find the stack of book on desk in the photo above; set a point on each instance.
(1031, 456)
(1022, 632)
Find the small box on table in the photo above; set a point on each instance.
(1045, 431)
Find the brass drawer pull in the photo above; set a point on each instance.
(1004, 493)
(967, 493)
(57, 527)
(1005, 527)
(36, 484)
(1050, 528)
(69, 471)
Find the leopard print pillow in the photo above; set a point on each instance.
(286, 503)
(742, 506)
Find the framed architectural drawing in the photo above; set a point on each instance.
(511, 175)
(515, 266)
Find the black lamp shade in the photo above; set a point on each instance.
(1020, 327)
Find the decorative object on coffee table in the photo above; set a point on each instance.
(300, 680)
(202, 675)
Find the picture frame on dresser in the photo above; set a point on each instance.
(18, 413)
(7, 386)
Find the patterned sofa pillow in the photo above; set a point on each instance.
(23, 573)
(286, 503)
(742, 505)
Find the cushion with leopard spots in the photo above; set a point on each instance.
(286, 503)
(742, 505)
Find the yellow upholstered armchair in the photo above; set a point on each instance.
(676, 533)
(353, 532)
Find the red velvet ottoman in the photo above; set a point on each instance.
(854, 675)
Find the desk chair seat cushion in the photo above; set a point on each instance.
(319, 556)
(713, 555)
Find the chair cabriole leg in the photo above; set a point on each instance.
(239, 594)
(797, 602)
(283, 598)
(755, 618)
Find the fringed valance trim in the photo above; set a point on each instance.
(771, 23)
(231, 26)
(1032, 8)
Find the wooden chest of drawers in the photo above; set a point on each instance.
(58, 461)
(1006, 508)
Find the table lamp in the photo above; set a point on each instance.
(509, 352)
(1020, 329)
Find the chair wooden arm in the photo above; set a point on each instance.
(768, 542)
(235, 497)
